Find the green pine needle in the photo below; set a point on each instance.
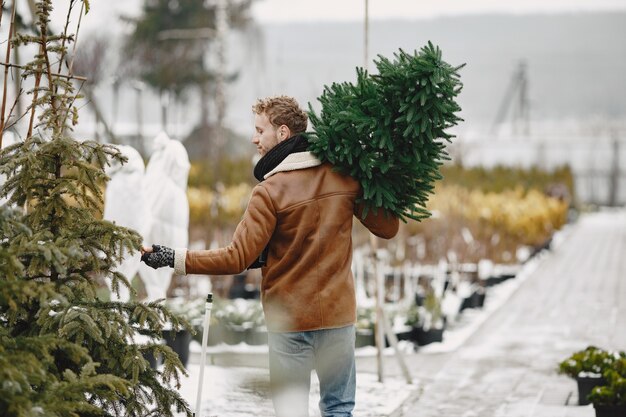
(387, 129)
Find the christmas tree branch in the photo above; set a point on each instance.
(67, 76)
(61, 253)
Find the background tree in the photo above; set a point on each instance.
(63, 350)
(90, 60)
(170, 41)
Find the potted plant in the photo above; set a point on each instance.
(241, 318)
(433, 322)
(193, 312)
(587, 367)
(365, 327)
(609, 400)
(256, 332)
(413, 320)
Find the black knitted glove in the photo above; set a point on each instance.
(159, 257)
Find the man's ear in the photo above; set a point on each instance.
(284, 132)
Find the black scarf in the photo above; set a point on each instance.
(278, 153)
(268, 162)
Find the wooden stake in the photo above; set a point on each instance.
(393, 341)
(382, 324)
(6, 72)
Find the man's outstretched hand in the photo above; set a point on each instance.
(158, 256)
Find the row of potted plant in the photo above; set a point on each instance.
(241, 321)
(232, 322)
(601, 378)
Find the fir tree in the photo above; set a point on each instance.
(64, 351)
(169, 40)
(389, 129)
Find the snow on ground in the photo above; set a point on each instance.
(232, 390)
(244, 392)
(470, 320)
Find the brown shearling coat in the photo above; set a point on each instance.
(306, 217)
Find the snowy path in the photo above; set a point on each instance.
(575, 297)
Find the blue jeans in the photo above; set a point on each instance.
(293, 355)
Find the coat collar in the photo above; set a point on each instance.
(295, 161)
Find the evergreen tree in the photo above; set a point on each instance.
(64, 351)
(169, 41)
(389, 129)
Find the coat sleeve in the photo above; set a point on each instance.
(382, 223)
(251, 236)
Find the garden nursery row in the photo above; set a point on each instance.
(420, 302)
(485, 224)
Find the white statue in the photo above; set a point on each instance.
(165, 187)
(125, 204)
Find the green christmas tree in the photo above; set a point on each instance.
(63, 350)
(389, 129)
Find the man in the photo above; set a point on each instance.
(300, 217)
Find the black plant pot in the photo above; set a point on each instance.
(234, 334)
(364, 337)
(610, 410)
(216, 334)
(426, 337)
(413, 335)
(585, 385)
(478, 299)
(466, 303)
(179, 342)
(505, 277)
(255, 337)
(493, 280)
(152, 361)
(407, 335)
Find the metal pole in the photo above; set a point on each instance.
(205, 337)
(366, 46)
(614, 174)
(221, 23)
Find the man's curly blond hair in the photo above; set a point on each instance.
(283, 110)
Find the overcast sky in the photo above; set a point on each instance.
(104, 13)
(308, 10)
